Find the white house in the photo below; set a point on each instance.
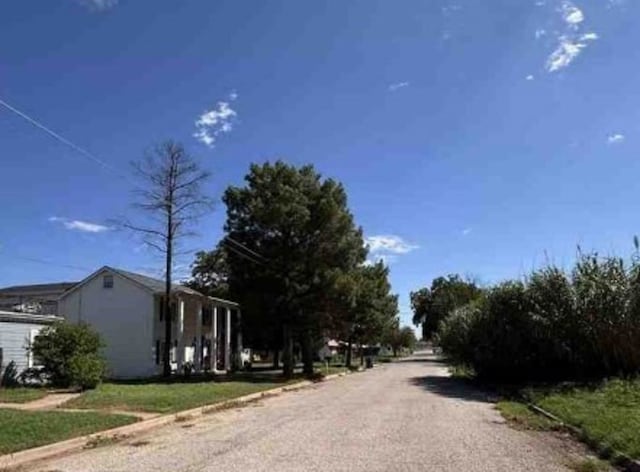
(17, 332)
(127, 310)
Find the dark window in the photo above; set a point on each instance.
(207, 316)
(157, 351)
(107, 281)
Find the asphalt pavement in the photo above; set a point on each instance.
(405, 416)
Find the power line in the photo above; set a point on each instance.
(49, 263)
(260, 259)
(62, 139)
(241, 254)
(250, 251)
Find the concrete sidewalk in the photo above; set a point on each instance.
(50, 402)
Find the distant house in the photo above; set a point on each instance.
(329, 349)
(17, 332)
(40, 299)
(127, 310)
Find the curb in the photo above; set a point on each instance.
(628, 464)
(49, 451)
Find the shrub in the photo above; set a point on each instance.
(33, 375)
(61, 347)
(504, 348)
(558, 332)
(10, 376)
(456, 333)
(552, 326)
(602, 293)
(86, 371)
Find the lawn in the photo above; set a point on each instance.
(609, 414)
(322, 368)
(21, 394)
(519, 415)
(165, 397)
(25, 429)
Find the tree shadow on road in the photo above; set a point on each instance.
(452, 387)
(423, 360)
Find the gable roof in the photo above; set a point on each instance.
(57, 287)
(15, 317)
(153, 285)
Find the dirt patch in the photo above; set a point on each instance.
(140, 443)
(101, 441)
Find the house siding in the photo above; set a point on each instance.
(123, 316)
(15, 340)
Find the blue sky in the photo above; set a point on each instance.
(474, 137)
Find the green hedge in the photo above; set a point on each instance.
(553, 325)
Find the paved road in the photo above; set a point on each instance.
(407, 416)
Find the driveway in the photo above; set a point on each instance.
(406, 416)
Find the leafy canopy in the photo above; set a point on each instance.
(430, 306)
(301, 228)
(70, 354)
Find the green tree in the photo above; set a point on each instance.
(430, 306)
(70, 354)
(400, 338)
(408, 338)
(209, 273)
(369, 310)
(301, 228)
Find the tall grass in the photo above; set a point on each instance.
(552, 326)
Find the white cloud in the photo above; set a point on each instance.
(589, 37)
(218, 120)
(616, 138)
(570, 42)
(564, 54)
(450, 9)
(572, 15)
(79, 225)
(98, 5)
(540, 33)
(387, 248)
(529, 77)
(387, 259)
(398, 85)
(466, 231)
(390, 244)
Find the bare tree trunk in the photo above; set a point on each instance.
(172, 193)
(166, 365)
(287, 352)
(349, 349)
(307, 353)
(276, 358)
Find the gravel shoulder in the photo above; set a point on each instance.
(404, 416)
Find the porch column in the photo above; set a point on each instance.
(236, 359)
(227, 339)
(213, 355)
(198, 354)
(180, 335)
(239, 338)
